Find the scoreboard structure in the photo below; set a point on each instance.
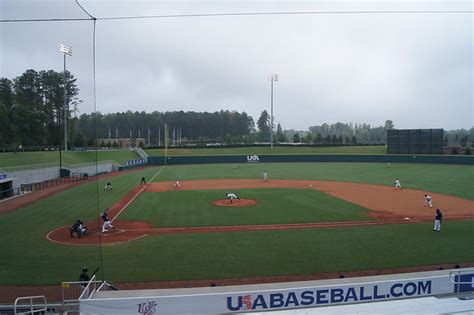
(415, 141)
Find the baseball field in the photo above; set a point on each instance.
(306, 220)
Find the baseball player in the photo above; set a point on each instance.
(78, 228)
(176, 184)
(108, 186)
(107, 223)
(231, 196)
(438, 220)
(397, 184)
(428, 201)
(265, 175)
(143, 182)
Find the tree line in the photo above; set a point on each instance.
(32, 111)
(31, 107)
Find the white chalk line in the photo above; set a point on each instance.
(136, 195)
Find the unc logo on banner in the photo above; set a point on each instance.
(148, 308)
(253, 158)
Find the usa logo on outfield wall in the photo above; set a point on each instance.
(148, 308)
(252, 158)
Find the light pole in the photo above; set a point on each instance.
(65, 50)
(272, 78)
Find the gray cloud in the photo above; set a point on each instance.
(414, 69)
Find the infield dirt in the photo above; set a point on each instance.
(388, 206)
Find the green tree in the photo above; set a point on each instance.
(318, 139)
(263, 124)
(308, 138)
(445, 141)
(296, 138)
(327, 139)
(340, 140)
(354, 140)
(389, 125)
(7, 127)
(280, 136)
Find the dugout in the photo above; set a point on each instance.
(6, 188)
(415, 141)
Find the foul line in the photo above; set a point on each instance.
(136, 195)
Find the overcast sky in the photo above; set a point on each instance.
(415, 69)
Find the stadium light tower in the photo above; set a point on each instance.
(65, 50)
(272, 78)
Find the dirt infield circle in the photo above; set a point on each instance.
(389, 206)
(234, 203)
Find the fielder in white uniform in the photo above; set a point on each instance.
(428, 201)
(176, 184)
(265, 175)
(108, 186)
(397, 184)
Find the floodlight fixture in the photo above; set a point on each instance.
(67, 50)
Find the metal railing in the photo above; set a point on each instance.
(52, 182)
(72, 291)
(463, 281)
(25, 167)
(141, 152)
(9, 193)
(72, 166)
(39, 308)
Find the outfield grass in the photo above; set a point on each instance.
(274, 206)
(269, 151)
(69, 157)
(28, 258)
(242, 254)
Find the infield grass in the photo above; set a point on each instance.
(274, 206)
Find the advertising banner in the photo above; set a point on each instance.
(282, 299)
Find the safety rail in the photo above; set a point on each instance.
(72, 291)
(141, 152)
(33, 308)
(9, 193)
(25, 167)
(52, 182)
(456, 278)
(78, 165)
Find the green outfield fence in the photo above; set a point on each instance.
(180, 160)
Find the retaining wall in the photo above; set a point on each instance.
(43, 174)
(33, 176)
(177, 160)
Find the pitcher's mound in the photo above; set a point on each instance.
(235, 203)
